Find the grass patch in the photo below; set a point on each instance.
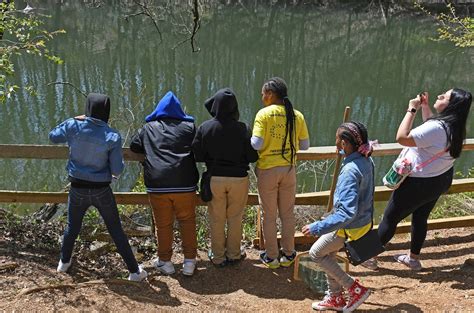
(459, 204)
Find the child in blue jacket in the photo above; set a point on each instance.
(95, 156)
(350, 219)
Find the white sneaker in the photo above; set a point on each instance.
(166, 267)
(189, 265)
(138, 276)
(63, 267)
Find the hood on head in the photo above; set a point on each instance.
(169, 107)
(223, 105)
(98, 106)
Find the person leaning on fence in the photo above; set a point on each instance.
(418, 193)
(95, 156)
(350, 218)
(170, 178)
(279, 132)
(223, 142)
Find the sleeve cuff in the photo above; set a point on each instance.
(313, 228)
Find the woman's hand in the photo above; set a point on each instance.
(424, 99)
(80, 117)
(415, 103)
(426, 112)
(306, 231)
(403, 133)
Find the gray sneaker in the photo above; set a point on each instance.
(189, 265)
(414, 264)
(63, 267)
(165, 267)
(371, 264)
(138, 276)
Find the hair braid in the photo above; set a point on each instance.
(278, 86)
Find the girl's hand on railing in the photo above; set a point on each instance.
(306, 231)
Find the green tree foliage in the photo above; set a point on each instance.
(21, 32)
(458, 30)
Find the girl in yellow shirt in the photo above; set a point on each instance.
(279, 132)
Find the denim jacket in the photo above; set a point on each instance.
(95, 149)
(353, 197)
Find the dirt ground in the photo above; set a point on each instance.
(445, 284)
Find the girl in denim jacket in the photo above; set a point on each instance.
(95, 156)
(351, 217)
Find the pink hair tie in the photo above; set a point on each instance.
(367, 148)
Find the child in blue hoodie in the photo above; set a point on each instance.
(170, 178)
(95, 155)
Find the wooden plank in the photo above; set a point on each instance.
(402, 228)
(329, 152)
(21, 151)
(49, 152)
(312, 198)
(134, 198)
(44, 152)
(461, 185)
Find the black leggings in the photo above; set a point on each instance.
(416, 196)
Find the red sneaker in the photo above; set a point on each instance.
(330, 302)
(357, 295)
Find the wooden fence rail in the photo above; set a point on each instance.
(311, 198)
(49, 152)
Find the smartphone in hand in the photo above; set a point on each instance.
(423, 97)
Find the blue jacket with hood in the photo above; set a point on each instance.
(165, 140)
(95, 149)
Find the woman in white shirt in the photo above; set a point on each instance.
(417, 195)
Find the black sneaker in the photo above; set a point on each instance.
(287, 260)
(269, 262)
(211, 257)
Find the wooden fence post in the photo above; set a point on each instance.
(347, 112)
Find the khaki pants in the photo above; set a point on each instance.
(277, 189)
(165, 207)
(229, 198)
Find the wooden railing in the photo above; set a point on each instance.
(48, 152)
(313, 198)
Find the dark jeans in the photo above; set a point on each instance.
(80, 199)
(416, 196)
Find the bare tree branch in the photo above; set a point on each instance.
(132, 15)
(145, 10)
(197, 24)
(69, 84)
(196, 27)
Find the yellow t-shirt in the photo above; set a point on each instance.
(354, 233)
(270, 126)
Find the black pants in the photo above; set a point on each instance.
(416, 196)
(80, 199)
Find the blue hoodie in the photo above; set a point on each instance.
(169, 107)
(165, 140)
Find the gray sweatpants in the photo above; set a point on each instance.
(324, 252)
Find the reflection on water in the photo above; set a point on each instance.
(329, 57)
